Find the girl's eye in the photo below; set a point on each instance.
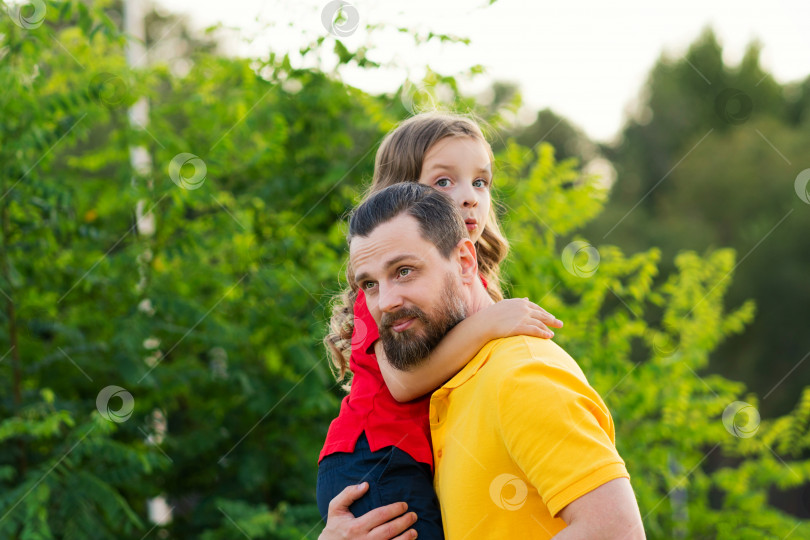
(481, 183)
(368, 285)
(404, 272)
(443, 182)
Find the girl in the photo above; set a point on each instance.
(382, 434)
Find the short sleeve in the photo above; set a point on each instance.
(365, 331)
(558, 430)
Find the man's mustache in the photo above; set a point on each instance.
(388, 319)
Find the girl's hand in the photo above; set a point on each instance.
(519, 316)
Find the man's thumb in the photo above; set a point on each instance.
(345, 498)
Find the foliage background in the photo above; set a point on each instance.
(210, 310)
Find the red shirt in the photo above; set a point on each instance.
(370, 407)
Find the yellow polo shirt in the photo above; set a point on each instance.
(518, 434)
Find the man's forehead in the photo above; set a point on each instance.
(391, 241)
(388, 235)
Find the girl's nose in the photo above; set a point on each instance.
(468, 198)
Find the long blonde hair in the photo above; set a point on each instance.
(399, 159)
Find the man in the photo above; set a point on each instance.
(523, 446)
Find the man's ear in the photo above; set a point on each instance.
(467, 259)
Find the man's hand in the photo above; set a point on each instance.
(374, 525)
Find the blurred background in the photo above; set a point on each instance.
(175, 178)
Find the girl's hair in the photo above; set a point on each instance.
(399, 159)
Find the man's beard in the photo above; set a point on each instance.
(408, 348)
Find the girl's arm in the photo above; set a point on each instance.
(516, 316)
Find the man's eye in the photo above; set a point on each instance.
(443, 182)
(403, 272)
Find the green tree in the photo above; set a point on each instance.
(710, 160)
(55, 442)
(567, 139)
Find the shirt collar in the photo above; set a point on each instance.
(471, 368)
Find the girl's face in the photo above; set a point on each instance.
(460, 167)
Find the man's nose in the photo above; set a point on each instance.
(390, 300)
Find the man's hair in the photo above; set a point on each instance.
(439, 218)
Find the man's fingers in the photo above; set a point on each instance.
(392, 529)
(410, 534)
(343, 500)
(374, 518)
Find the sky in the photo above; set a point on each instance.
(586, 60)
